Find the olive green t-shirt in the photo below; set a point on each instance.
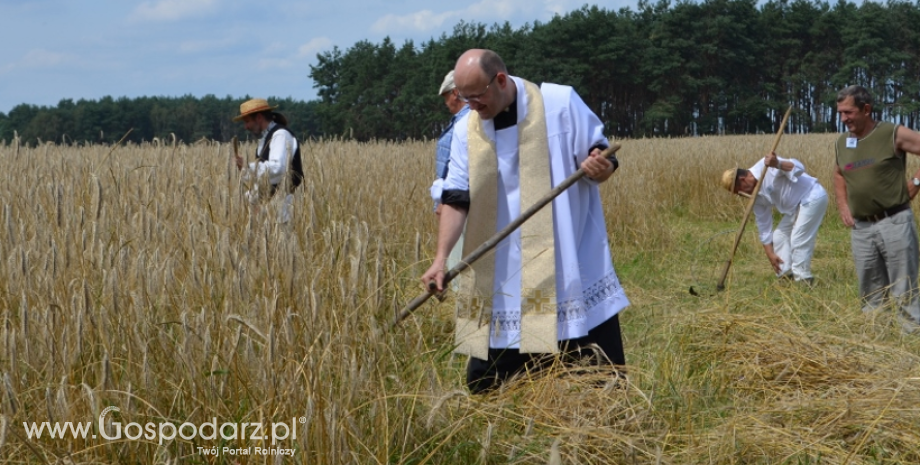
(874, 171)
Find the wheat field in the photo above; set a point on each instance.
(136, 277)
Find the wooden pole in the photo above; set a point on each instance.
(750, 206)
(235, 144)
(494, 240)
(116, 145)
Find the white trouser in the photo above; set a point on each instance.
(284, 205)
(795, 236)
(281, 205)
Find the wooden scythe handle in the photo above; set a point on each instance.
(747, 212)
(494, 240)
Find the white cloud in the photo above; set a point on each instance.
(424, 20)
(198, 46)
(172, 10)
(562, 7)
(274, 48)
(483, 11)
(267, 64)
(486, 11)
(314, 46)
(498, 11)
(41, 58)
(283, 59)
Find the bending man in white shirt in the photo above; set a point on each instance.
(801, 200)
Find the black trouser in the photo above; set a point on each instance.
(485, 375)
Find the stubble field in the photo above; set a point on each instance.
(137, 278)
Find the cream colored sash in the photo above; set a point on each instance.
(538, 281)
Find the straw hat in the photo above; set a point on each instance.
(448, 84)
(251, 106)
(728, 179)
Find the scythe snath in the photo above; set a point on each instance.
(747, 212)
(494, 240)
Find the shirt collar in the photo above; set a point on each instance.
(271, 124)
(459, 114)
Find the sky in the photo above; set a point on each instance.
(69, 49)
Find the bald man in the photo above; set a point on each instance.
(550, 287)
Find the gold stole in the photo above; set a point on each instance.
(538, 257)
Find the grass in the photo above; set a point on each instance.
(139, 279)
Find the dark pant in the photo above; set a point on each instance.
(485, 375)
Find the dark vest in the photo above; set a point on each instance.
(295, 169)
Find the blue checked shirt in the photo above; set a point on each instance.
(444, 144)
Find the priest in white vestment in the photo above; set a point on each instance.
(550, 286)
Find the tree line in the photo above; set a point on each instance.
(107, 120)
(665, 69)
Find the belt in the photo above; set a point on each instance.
(885, 214)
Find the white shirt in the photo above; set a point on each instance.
(784, 190)
(281, 149)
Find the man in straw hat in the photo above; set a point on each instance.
(799, 197)
(458, 108)
(550, 286)
(277, 149)
(873, 198)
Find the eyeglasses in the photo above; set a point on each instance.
(475, 98)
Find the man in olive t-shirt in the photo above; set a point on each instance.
(874, 200)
